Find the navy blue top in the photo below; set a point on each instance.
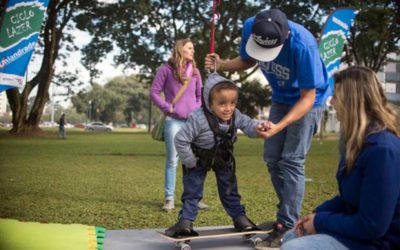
(366, 213)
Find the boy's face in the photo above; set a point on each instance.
(223, 103)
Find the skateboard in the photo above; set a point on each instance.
(253, 236)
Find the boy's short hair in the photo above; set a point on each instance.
(222, 86)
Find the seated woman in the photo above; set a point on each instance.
(366, 212)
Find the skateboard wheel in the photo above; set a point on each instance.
(256, 240)
(186, 247)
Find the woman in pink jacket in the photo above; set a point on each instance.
(169, 80)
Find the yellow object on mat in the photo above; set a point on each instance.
(18, 235)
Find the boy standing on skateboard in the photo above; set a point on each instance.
(206, 142)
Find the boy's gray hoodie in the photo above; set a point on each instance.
(197, 130)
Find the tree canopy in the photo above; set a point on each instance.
(122, 99)
(144, 31)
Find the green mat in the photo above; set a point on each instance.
(18, 235)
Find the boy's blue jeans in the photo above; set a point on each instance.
(171, 128)
(285, 155)
(193, 184)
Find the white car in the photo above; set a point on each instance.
(98, 126)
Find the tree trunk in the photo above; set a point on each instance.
(19, 107)
(32, 124)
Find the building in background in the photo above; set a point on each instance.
(3, 104)
(389, 75)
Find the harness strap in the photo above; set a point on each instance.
(222, 141)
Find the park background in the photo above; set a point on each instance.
(115, 179)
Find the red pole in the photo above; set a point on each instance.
(212, 49)
(212, 33)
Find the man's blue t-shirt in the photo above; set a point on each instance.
(298, 66)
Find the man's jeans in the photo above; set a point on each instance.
(61, 132)
(310, 242)
(285, 155)
(171, 128)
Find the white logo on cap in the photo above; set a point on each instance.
(266, 41)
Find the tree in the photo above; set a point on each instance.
(144, 31)
(306, 13)
(125, 97)
(253, 96)
(59, 13)
(99, 103)
(2, 8)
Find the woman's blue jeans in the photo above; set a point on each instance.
(171, 128)
(285, 155)
(310, 242)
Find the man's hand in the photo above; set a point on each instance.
(267, 129)
(263, 126)
(211, 61)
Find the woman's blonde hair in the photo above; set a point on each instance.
(360, 102)
(177, 61)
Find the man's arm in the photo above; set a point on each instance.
(231, 65)
(302, 106)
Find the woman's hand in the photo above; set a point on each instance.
(299, 228)
(305, 226)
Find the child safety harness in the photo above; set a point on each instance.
(221, 154)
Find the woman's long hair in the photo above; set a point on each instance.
(177, 61)
(360, 102)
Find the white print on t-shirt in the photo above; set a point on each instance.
(280, 71)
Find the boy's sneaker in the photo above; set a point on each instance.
(242, 224)
(274, 240)
(181, 228)
(202, 206)
(168, 205)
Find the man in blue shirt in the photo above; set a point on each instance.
(287, 54)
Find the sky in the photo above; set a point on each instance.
(107, 68)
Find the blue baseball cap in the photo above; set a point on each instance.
(269, 32)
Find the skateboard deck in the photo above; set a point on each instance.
(253, 236)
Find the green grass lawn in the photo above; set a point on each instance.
(115, 180)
